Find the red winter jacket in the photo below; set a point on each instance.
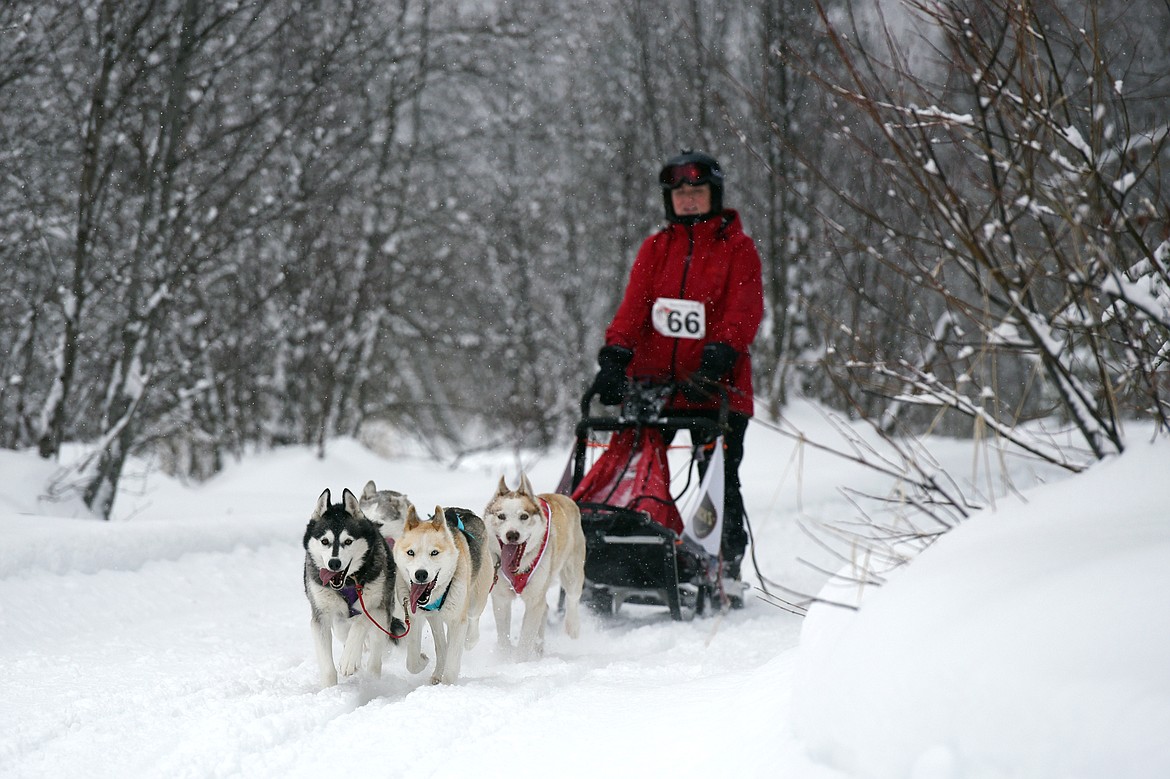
(713, 262)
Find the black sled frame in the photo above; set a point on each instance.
(631, 558)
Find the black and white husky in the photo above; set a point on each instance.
(349, 580)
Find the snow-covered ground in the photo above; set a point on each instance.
(174, 642)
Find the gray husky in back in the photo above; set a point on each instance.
(349, 580)
(387, 508)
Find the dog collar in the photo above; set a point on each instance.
(518, 579)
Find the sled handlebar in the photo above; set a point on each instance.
(645, 406)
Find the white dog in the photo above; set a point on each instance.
(541, 541)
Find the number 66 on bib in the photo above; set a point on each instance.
(675, 318)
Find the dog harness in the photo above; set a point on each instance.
(519, 579)
(350, 593)
(345, 586)
(462, 529)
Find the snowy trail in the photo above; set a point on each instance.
(174, 641)
(202, 666)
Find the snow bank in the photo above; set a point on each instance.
(1030, 642)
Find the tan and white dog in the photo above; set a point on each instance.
(541, 542)
(445, 571)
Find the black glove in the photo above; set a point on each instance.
(717, 361)
(610, 382)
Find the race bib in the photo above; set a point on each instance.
(675, 318)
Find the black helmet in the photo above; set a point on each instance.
(691, 167)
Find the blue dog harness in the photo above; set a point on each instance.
(462, 529)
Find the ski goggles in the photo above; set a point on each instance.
(693, 173)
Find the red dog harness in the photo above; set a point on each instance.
(518, 579)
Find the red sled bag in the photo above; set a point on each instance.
(633, 473)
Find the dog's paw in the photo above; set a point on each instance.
(328, 678)
(416, 665)
(529, 653)
(350, 660)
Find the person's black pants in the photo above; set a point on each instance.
(735, 537)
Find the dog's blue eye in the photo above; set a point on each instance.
(434, 552)
(410, 553)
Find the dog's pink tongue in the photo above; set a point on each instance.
(327, 576)
(511, 554)
(417, 593)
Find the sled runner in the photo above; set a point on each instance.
(640, 547)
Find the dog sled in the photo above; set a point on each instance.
(645, 545)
